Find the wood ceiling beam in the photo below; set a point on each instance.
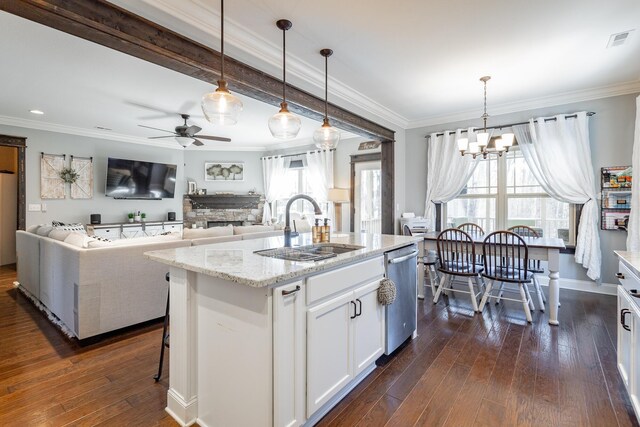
(106, 24)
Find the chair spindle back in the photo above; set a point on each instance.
(471, 228)
(506, 256)
(457, 253)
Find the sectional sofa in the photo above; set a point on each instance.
(89, 286)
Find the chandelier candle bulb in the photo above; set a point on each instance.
(474, 148)
(463, 144)
(483, 139)
(507, 140)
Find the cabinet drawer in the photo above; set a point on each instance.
(627, 278)
(332, 282)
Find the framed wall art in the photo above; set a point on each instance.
(224, 171)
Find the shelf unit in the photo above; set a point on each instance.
(615, 199)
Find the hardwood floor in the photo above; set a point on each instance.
(462, 370)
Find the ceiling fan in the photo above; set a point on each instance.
(186, 135)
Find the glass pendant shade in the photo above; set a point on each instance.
(463, 144)
(284, 125)
(326, 137)
(507, 139)
(221, 107)
(184, 141)
(483, 139)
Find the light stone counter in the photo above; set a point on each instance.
(237, 262)
(631, 260)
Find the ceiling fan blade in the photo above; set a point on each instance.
(160, 137)
(197, 143)
(163, 130)
(215, 138)
(187, 106)
(193, 129)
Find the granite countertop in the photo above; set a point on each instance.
(237, 262)
(631, 260)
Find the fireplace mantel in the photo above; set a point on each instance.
(224, 201)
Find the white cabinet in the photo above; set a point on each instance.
(289, 340)
(173, 227)
(153, 229)
(345, 335)
(111, 233)
(329, 349)
(131, 231)
(626, 332)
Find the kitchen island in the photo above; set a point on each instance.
(261, 341)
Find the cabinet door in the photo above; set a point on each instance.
(368, 332)
(153, 230)
(624, 335)
(129, 232)
(289, 333)
(112, 233)
(633, 321)
(329, 352)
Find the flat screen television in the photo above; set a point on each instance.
(133, 179)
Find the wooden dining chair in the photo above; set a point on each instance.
(471, 228)
(430, 261)
(457, 256)
(535, 266)
(506, 260)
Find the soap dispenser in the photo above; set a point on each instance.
(326, 231)
(316, 232)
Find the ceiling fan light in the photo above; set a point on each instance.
(463, 144)
(185, 141)
(326, 136)
(221, 107)
(284, 124)
(483, 139)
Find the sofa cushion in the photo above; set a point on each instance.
(80, 240)
(197, 233)
(245, 229)
(44, 230)
(59, 234)
(95, 243)
(262, 234)
(212, 240)
(71, 227)
(33, 228)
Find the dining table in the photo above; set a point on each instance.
(540, 248)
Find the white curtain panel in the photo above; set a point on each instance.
(447, 171)
(274, 171)
(559, 156)
(320, 177)
(633, 236)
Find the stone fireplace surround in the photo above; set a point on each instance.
(222, 209)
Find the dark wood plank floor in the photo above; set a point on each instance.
(462, 370)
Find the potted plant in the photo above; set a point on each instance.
(130, 215)
(143, 216)
(137, 216)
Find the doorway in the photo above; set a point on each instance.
(12, 195)
(367, 195)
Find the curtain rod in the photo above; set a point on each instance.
(551, 119)
(295, 155)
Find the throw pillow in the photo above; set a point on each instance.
(57, 223)
(33, 228)
(59, 234)
(78, 239)
(246, 229)
(44, 230)
(72, 227)
(196, 233)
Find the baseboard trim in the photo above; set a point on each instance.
(582, 285)
(185, 413)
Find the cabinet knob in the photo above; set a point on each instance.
(620, 275)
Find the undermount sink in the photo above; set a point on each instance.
(315, 252)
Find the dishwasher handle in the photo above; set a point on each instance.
(403, 258)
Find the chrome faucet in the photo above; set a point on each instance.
(287, 228)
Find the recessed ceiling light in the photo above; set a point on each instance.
(619, 39)
(38, 112)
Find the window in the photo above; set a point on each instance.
(296, 183)
(502, 192)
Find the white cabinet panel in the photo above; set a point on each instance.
(624, 336)
(368, 336)
(329, 353)
(153, 230)
(289, 339)
(130, 231)
(111, 233)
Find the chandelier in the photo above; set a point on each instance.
(480, 147)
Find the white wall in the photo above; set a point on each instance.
(611, 134)
(112, 210)
(194, 170)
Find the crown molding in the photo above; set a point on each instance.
(207, 21)
(534, 103)
(107, 135)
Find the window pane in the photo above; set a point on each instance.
(484, 179)
(548, 216)
(519, 177)
(481, 211)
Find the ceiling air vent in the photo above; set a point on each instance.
(619, 39)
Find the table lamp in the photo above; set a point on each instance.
(338, 196)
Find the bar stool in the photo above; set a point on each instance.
(430, 262)
(457, 254)
(165, 335)
(506, 260)
(534, 265)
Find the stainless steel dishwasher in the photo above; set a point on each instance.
(401, 316)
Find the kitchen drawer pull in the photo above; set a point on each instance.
(354, 310)
(623, 313)
(360, 304)
(292, 291)
(620, 275)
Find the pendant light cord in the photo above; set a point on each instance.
(484, 116)
(284, 66)
(221, 39)
(326, 84)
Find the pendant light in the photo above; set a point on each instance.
(284, 125)
(221, 107)
(326, 137)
